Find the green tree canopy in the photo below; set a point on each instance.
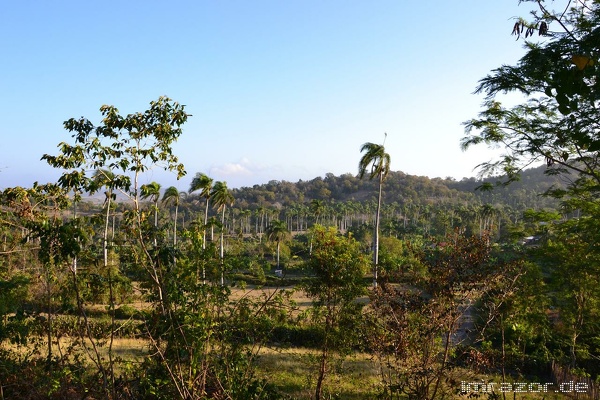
(558, 122)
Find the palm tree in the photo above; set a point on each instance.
(203, 183)
(152, 191)
(173, 196)
(317, 207)
(222, 198)
(104, 178)
(377, 161)
(278, 232)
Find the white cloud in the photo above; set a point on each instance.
(230, 169)
(246, 172)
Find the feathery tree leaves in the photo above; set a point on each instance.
(559, 78)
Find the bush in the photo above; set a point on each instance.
(298, 336)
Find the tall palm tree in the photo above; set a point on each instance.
(203, 183)
(173, 196)
(377, 162)
(222, 198)
(317, 207)
(107, 179)
(104, 178)
(278, 232)
(152, 191)
(260, 229)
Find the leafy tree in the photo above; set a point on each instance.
(513, 316)
(412, 329)
(338, 267)
(378, 161)
(13, 293)
(129, 145)
(559, 77)
(557, 123)
(570, 252)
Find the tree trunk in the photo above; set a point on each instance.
(321, 377)
(278, 254)
(376, 234)
(222, 248)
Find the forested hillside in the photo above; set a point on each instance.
(402, 188)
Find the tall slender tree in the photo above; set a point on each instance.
(173, 196)
(277, 231)
(204, 184)
(222, 198)
(377, 162)
(152, 191)
(317, 207)
(104, 178)
(338, 267)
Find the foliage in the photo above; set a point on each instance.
(572, 258)
(412, 329)
(558, 76)
(555, 123)
(338, 268)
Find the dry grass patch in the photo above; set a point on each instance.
(293, 372)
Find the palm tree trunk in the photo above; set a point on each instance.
(222, 247)
(105, 238)
(175, 235)
(204, 240)
(278, 254)
(376, 234)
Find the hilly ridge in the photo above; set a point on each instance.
(402, 188)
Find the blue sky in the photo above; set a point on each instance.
(278, 90)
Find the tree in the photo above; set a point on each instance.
(338, 267)
(203, 183)
(173, 196)
(104, 178)
(413, 327)
(571, 250)
(377, 161)
(129, 146)
(559, 77)
(152, 191)
(317, 207)
(222, 198)
(278, 232)
(558, 124)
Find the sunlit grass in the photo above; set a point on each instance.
(293, 372)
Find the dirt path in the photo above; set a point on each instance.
(466, 324)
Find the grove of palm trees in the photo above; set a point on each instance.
(370, 285)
